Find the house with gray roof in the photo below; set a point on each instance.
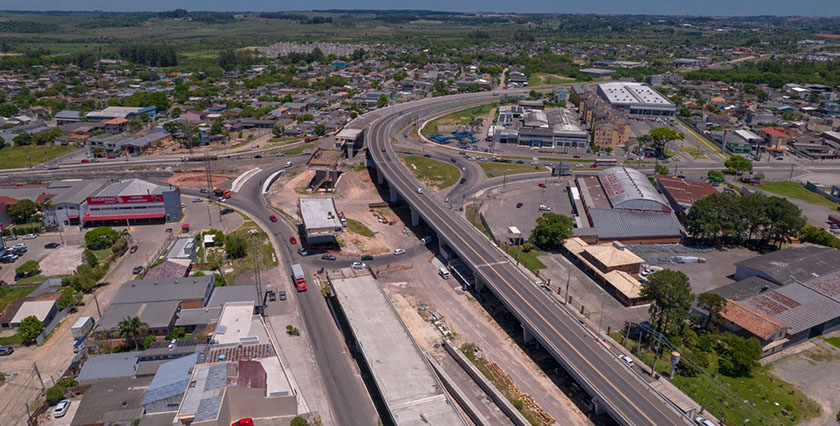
(169, 384)
(108, 366)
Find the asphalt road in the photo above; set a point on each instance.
(349, 399)
(624, 395)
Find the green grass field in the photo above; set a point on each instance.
(694, 152)
(541, 79)
(13, 157)
(530, 259)
(435, 174)
(463, 116)
(294, 151)
(499, 169)
(10, 294)
(359, 228)
(795, 190)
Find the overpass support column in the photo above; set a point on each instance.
(442, 251)
(394, 195)
(415, 217)
(599, 406)
(527, 337)
(479, 285)
(380, 177)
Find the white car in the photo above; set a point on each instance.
(627, 360)
(358, 265)
(255, 146)
(29, 236)
(61, 408)
(19, 245)
(197, 200)
(545, 208)
(398, 252)
(702, 421)
(279, 154)
(419, 190)
(288, 164)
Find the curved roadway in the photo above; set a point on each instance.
(622, 394)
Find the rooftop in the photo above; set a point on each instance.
(611, 256)
(685, 192)
(153, 314)
(630, 189)
(795, 305)
(114, 400)
(319, 213)
(409, 387)
(751, 320)
(624, 224)
(633, 94)
(187, 288)
(801, 263)
(38, 308)
(171, 379)
(108, 366)
(133, 187)
(238, 324)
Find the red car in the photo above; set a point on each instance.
(541, 185)
(243, 422)
(576, 156)
(272, 218)
(85, 161)
(293, 240)
(594, 165)
(133, 249)
(383, 149)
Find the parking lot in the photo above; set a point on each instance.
(57, 261)
(501, 206)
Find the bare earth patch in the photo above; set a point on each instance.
(197, 178)
(62, 261)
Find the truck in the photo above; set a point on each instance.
(833, 218)
(81, 327)
(222, 193)
(298, 277)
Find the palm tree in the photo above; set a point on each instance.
(132, 329)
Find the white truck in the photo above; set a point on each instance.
(81, 327)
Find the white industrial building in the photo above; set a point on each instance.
(556, 127)
(320, 220)
(635, 98)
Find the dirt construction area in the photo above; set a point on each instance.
(197, 178)
(62, 261)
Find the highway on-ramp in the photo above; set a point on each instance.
(628, 400)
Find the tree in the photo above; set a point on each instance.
(2, 142)
(814, 235)
(713, 303)
(132, 330)
(29, 268)
(278, 131)
(320, 129)
(54, 394)
(739, 356)
(714, 176)
(23, 211)
(661, 169)
(235, 246)
(135, 126)
(670, 295)
(382, 101)
(660, 137)
(68, 299)
(216, 129)
(739, 164)
(30, 328)
(299, 421)
(551, 230)
(100, 238)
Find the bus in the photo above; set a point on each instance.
(606, 162)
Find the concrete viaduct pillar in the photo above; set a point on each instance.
(380, 177)
(442, 251)
(599, 406)
(415, 217)
(394, 195)
(479, 285)
(527, 337)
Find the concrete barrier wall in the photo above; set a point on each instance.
(458, 394)
(516, 417)
(814, 188)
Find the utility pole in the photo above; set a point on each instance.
(257, 273)
(601, 316)
(97, 305)
(38, 373)
(791, 172)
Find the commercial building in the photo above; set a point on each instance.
(635, 98)
(622, 205)
(553, 128)
(796, 263)
(44, 310)
(683, 193)
(611, 134)
(597, 72)
(612, 265)
(127, 113)
(321, 222)
(133, 201)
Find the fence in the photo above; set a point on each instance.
(834, 190)
(49, 327)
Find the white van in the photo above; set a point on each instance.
(443, 272)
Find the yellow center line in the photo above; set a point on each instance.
(545, 320)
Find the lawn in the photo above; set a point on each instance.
(463, 116)
(10, 294)
(102, 254)
(540, 79)
(435, 174)
(763, 398)
(499, 169)
(359, 228)
(476, 220)
(795, 190)
(285, 140)
(12, 157)
(529, 259)
(833, 340)
(694, 152)
(295, 151)
(265, 252)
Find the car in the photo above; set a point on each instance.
(780, 158)
(675, 158)
(282, 294)
(272, 218)
(10, 238)
(254, 146)
(19, 245)
(367, 257)
(30, 237)
(702, 421)
(548, 164)
(18, 251)
(594, 165)
(328, 257)
(133, 249)
(197, 200)
(279, 154)
(258, 156)
(52, 245)
(576, 156)
(520, 162)
(518, 205)
(398, 252)
(85, 160)
(463, 181)
(94, 160)
(302, 251)
(61, 408)
(419, 190)
(6, 350)
(137, 270)
(8, 258)
(383, 149)
(50, 167)
(19, 275)
(578, 165)
(541, 185)
(288, 164)
(545, 208)
(627, 360)
(306, 152)
(271, 295)
(204, 191)
(452, 160)
(427, 155)
(243, 422)
(534, 163)
(226, 210)
(358, 265)
(292, 240)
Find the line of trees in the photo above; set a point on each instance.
(153, 55)
(729, 218)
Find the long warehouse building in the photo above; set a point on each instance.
(635, 98)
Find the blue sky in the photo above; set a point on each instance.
(664, 7)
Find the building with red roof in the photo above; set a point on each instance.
(683, 193)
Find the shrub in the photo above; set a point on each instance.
(235, 246)
(55, 394)
(299, 421)
(29, 268)
(90, 258)
(100, 238)
(119, 246)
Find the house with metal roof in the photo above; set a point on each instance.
(169, 384)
